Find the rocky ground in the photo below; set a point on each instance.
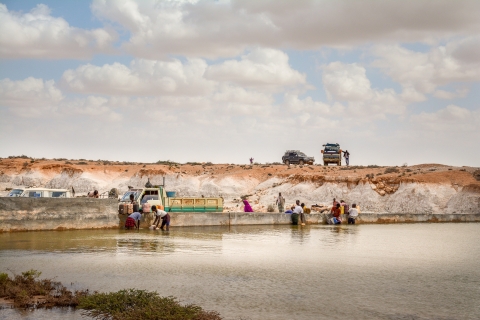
(426, 188)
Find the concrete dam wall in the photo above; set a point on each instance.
(30, 214)
(26, 214)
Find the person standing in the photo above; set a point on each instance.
(280, 202)
(346, 155)
(133, 220)
(352, 214)
(334, 205)
(251, 160)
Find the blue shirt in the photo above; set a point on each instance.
(136, 216)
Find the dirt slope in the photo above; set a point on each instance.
(422, 188)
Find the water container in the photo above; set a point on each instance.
(146, 207)
(170, 194)
(129, 208)
(121, 209)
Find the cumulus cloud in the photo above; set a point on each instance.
(37, 98)
(261, 67)
(452, 118)
(226, 28)
(421, 73)
(37, 34)
(348, 83)
(262, 70)
(29, 95)
(142, 77)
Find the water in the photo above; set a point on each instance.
(397, 271)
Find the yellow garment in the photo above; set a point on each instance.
(342, 209)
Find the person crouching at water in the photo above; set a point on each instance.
(161, 215)
(133, 220)
(299, 210)
(352, 214)
(336, 214)
(246, 206)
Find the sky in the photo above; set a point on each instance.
(392, 82)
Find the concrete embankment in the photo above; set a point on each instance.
(29, 214)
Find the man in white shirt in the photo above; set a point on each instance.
(299, 210)
(352, 214)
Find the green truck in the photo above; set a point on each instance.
(156, 195)
(332, 154)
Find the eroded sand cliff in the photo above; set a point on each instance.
(427, 188)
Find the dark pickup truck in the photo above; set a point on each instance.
(295, 156)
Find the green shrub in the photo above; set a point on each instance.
(133, 304)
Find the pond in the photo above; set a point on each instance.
(396, 271)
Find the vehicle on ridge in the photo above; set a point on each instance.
(296, 157)
(332, 154)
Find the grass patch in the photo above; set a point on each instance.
(28, 292)
(23, 289)
(391, 170)
(135, 304)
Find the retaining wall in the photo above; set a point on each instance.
(25, 214)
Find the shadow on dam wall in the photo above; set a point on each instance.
(31, 214)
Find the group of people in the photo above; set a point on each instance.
(338, 210)
(341, 208)
(133, 220)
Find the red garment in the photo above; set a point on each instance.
(130, 223)
(336, 212)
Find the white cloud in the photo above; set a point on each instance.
(421, 73)
(260, 70)
(452, 118)
(227, 28)
(266, 68)
(349, 83)
(30, 97)
(37, 34)
(346, 82)
(143, 77)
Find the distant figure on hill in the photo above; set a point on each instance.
(346, 155)
(280, 202)
(251, 160)
(247, 207)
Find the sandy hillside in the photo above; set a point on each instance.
(426, 188)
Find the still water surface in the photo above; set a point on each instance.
(398, 271)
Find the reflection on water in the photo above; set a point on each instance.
(401, 271)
